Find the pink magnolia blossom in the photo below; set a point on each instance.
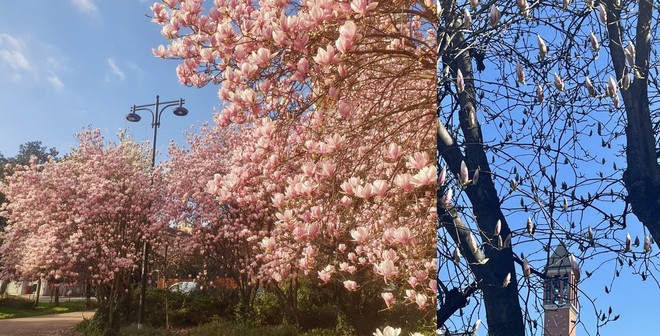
(387, 269)
(421, 300)
(388, 331)
(388, 298)
(325, 57)
(350, 285)
(363, 6)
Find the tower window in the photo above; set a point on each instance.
(557, 290)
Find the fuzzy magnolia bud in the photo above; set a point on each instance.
(630, 54)
(566, 3)
(463, 174)
(628, 242)
(494, 15)
(467, 18)
(523, 7)
(475, 176)
(474, 3)
(543, 49)
(603, 14)
(530, 226)
(527, 271)
(625, 81)
(520, 74)
(460, 82)
(616, 101)
(507, 280)
(507, 241)
(457, 256)
(590, 235)
(590, 88)
(442, 177)
(574, 265)
(559, 82)
(647, 244)
(539, 93)
(612, 88)
(498, 227)
(594, 41)
(589, 3)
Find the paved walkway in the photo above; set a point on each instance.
(57, 324)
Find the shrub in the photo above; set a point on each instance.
(92, 327)
(132, 330)
(16, 302)
(187, 310)
(227, 328)
(267, 309)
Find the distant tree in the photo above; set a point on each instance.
(332, 180)
(25, 152)
(36, 149)
(81, 220)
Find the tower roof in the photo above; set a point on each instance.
(562, 261)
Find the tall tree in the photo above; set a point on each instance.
(523, 92)
(334, 174)
(33, 149)
(81, 220)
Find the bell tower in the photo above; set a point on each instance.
(560, 293)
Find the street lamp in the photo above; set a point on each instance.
(156, 113)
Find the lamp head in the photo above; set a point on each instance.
(133, 117)
(180, 111)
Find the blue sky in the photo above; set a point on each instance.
(66, 65)
(69, 64)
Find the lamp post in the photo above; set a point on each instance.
(156, 113)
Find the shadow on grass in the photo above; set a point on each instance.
(12, 307)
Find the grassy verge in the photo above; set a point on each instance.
(11, 307)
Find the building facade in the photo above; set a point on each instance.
(560, 294)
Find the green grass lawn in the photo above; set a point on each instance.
(12, 307)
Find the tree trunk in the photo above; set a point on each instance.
(57, 295)
(88, 301)
(3, 287)
(642, 175)
(504, 314)
(36, 301)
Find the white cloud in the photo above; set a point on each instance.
(115, 69)
(55, 82)
(18, 63)
(12, 53)
(85, 6)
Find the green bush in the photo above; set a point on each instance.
(132, 330)
(92, 327)
(267, 309)
(189, 310)
(227, 328)
(16, 302)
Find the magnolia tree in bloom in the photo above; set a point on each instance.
(333, 175)
(79, 220)
(525, 91)
(219, 227)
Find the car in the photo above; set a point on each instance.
(185, 287)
